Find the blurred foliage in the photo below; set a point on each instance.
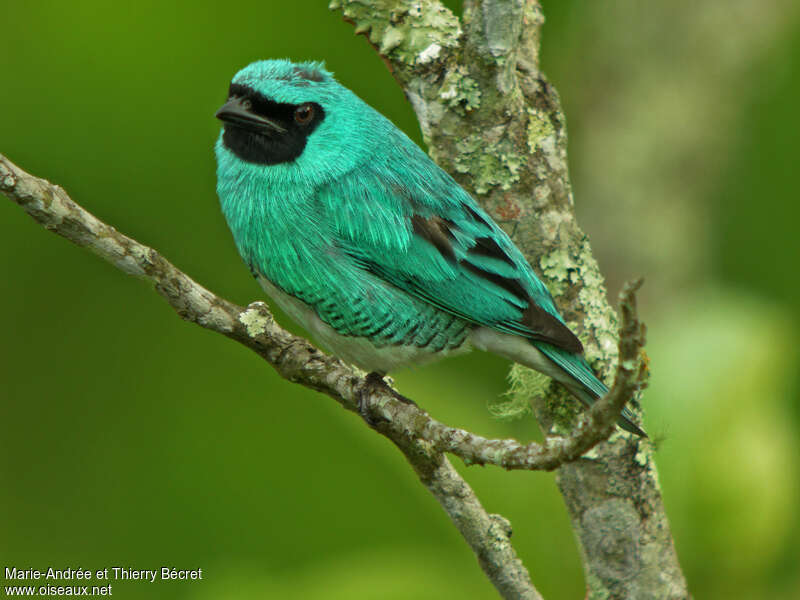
(132, 439)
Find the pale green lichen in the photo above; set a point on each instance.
(509, 407)
(557, 265)
(539, 129)
(562, 409)
(430, 53)
(402, 33)
(527, 385)
(516, 402)
(600, 318)
(459, 91)
(492, 164)
(254, 321)
(565, 267)
(556, 269)
(644, 455)
(392, 38)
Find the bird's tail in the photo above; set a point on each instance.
(584, 385)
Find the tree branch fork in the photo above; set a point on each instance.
(298, 361)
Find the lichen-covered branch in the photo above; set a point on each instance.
(492, 120)
(299, 361)
(593, 426)
(421, 438)
(293, 357)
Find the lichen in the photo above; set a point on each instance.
(643, 455)
(491, 164)
(565, 267)
(539, 128)
(563, 409)
(430, 53)
(556, 267)
(402, 33)
(391, 39)
(459, 91)
(255, 322)
(527, 385)
(516, 402)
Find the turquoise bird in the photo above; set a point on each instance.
(359, 236)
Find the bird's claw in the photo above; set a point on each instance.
(375, 383)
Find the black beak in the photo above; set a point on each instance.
(237, 111)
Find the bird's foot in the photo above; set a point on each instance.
(375, 383)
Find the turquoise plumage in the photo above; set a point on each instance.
(357, 234)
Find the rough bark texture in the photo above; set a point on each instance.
(490, 118)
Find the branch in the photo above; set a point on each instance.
(295, 359)
(421, 438)
(594, 425)
(299, 361)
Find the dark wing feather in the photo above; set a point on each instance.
(434, 242)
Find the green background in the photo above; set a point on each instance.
(130, 438)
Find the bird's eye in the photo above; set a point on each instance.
(303, 114)
(246, 104)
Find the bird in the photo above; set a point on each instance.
(360, 237)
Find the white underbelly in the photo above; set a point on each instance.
(359, 351)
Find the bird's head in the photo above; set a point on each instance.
(294, 117)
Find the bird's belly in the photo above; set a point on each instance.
(518, 349)
(359, 351)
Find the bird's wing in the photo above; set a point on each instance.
(421, 232)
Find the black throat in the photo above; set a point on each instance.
(273, 147)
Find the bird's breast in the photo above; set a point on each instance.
(368, 353)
